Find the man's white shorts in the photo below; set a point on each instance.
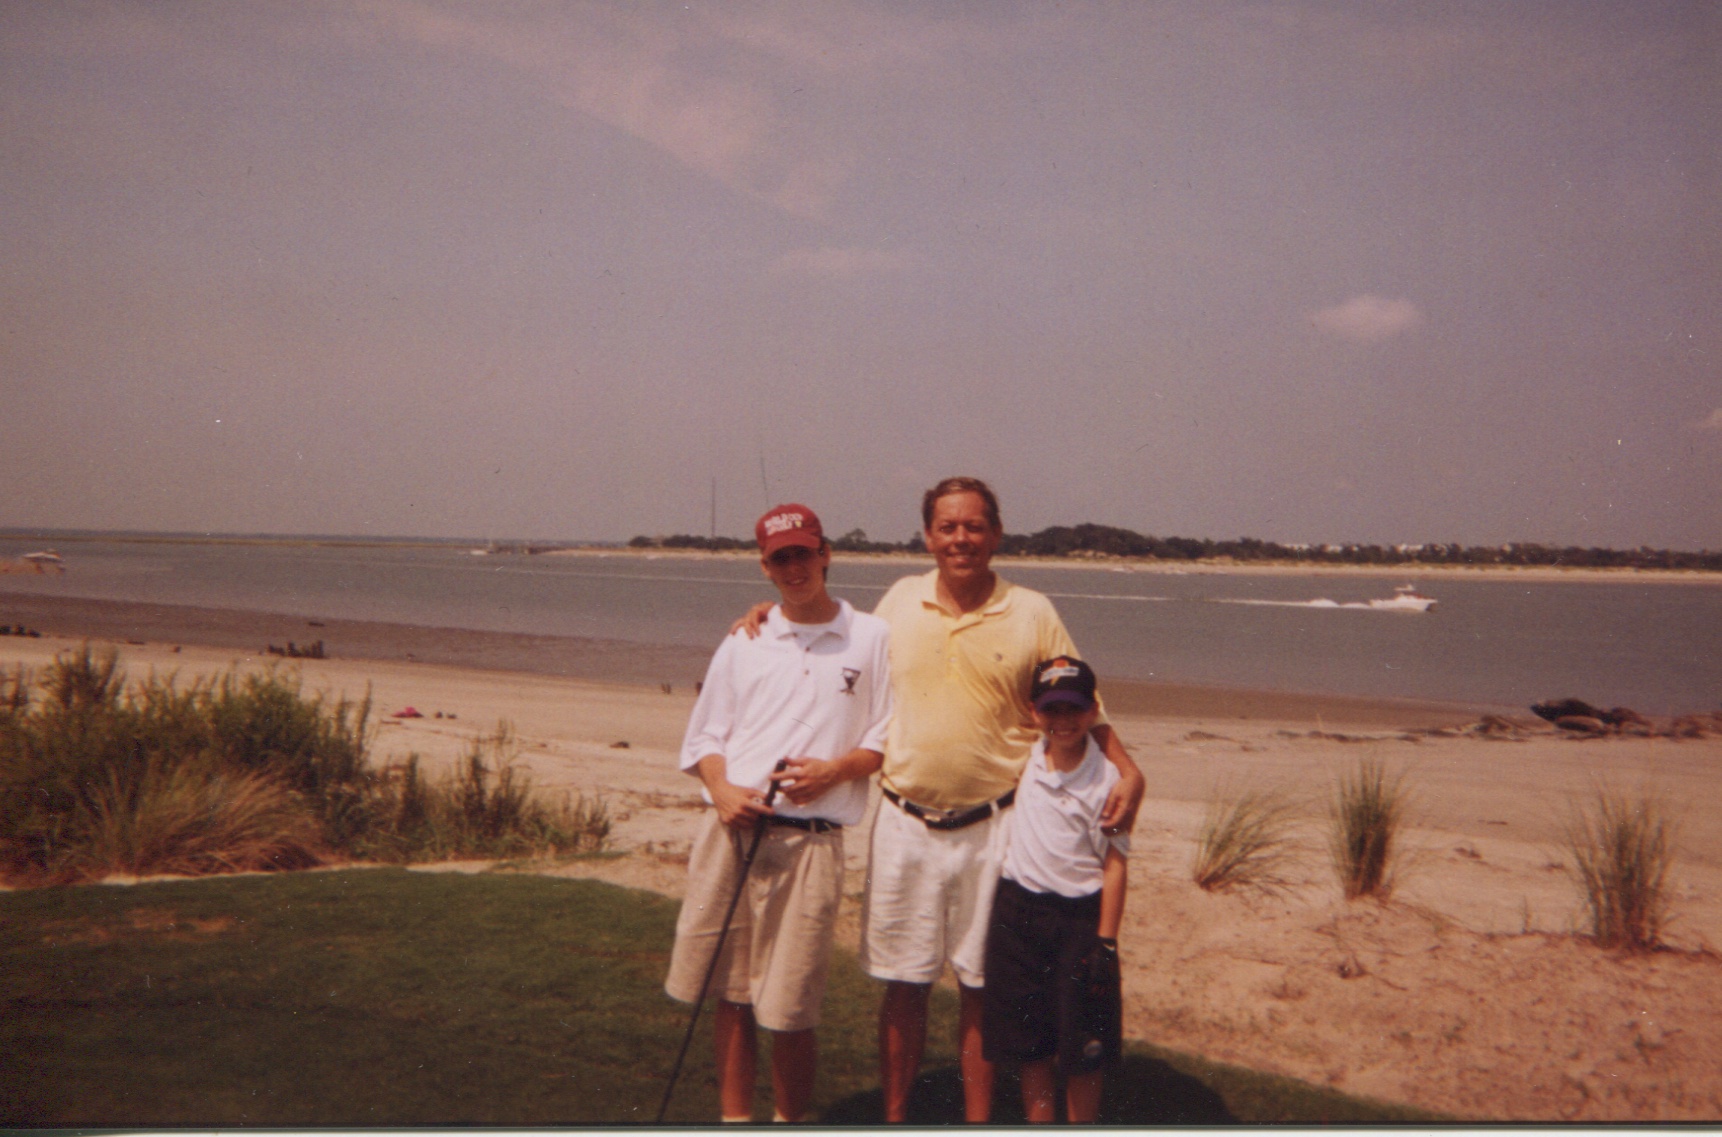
(929, 893)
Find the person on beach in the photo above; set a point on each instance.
(963, 645)
(812, 689)
(1053, 1005)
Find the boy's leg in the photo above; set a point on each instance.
(977, 1071)
(1040, 1090)
(734, 1040)
(902, 1039)
(794, 1057)
(1082, 1097)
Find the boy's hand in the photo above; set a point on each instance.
(803, 779)
(737, 806)
(751, 622)
(1100, 965)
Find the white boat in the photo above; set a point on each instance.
(1405, 598)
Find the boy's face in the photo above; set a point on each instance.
(1065, 723)
(798, 573)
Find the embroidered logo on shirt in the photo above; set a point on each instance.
(850, 675)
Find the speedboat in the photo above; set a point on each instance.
(1405, 598)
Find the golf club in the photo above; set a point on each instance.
(717, 953)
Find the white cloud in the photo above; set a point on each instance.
(840, 263)
(1714, 422)
(1366, 319)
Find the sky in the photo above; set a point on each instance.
(1308, 272)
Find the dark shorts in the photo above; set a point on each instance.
(1051, 990)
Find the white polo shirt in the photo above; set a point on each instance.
(796, 691)
(1056, 844)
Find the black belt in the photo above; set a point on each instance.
(949, 818)
(811, 824)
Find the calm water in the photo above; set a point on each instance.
(1655, 647)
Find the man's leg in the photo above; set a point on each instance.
(794, 1056)
(735, 1041)
(902, 1039)
(977, 1071)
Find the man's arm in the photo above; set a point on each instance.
(752, 621)
(803, 779)
(737, 806)
(1119, 816)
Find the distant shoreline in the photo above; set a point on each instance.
(125, 624)
(921, 561)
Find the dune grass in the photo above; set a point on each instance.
(1622, 849)
(1245, 842)
(241, 772)
(384, 997)
(1367, 816)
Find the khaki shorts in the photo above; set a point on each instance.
(929, 893)
(778, 951)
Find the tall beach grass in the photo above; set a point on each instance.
(1245, 842)
(241, 772)
(1622, 849)
(1367, 817)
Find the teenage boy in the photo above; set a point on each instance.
(1052, 995)
(812, 690)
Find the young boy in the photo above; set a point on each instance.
(1052, 1000)
(814, 691)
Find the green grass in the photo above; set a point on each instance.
(1245, 842)
(1367, 815)
(388, 998)
(1622, 849)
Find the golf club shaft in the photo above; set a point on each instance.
(717, 953)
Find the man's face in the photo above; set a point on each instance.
(798, 573)
(961, 538)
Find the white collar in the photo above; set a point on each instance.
(782, 627)
(1048, 774)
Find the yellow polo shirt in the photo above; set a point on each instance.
(961, 725)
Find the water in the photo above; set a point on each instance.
(1651, 646)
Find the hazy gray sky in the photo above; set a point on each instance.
(1310, 272)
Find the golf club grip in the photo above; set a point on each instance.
(772, 787)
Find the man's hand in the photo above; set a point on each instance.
(1119, 816)
(751, 622)
(803, 779)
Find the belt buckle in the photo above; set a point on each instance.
(939, 818)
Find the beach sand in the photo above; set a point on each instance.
(1468, 993)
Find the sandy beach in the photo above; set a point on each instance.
(1467, 994)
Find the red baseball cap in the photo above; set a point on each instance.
(786, 525)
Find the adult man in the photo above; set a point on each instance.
(813, 683)
(963, 645)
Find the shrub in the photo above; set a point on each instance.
(243, 772)
(1622, 850)
(1367, 815)
(182, 820)
(485, 807)
(1245, 842)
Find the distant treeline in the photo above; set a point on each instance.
(1089, 540)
